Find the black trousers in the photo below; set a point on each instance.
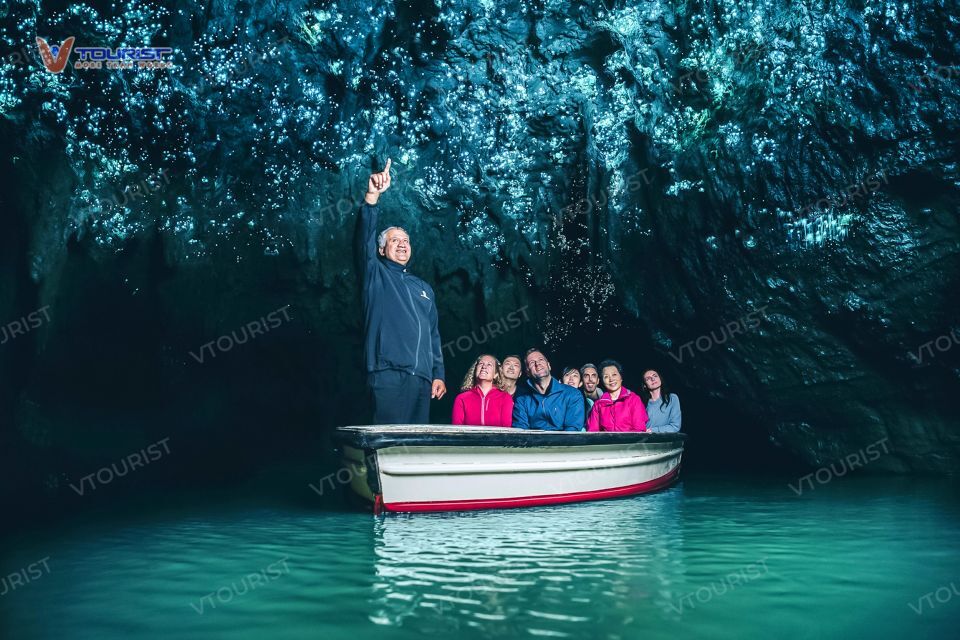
(399, 397)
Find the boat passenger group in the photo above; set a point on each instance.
(493, 396)
(405, 369)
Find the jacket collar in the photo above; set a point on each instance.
(476, 389)
(551, 388)
(624, 394)
(396, 266)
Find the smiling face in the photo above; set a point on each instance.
(486, 368)
(651, 380)
(397, 247)
(611, 379)
(538, 367)
(590, 380)
(572, 378)
(511, 368)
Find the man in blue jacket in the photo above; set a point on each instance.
(401, 336)
(543, 402)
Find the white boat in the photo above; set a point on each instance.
(452, 468)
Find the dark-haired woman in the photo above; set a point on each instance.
(663, 407)
(619, 409)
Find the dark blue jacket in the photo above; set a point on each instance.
(559, 409)
(399, 313)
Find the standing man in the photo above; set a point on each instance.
(401, 336)
(544, 402)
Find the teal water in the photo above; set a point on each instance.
(707, 558)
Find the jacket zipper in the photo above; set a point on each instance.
(413, 307)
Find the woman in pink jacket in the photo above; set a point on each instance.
(482, 402)
(619, 409)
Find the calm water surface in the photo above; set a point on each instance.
(710, 557)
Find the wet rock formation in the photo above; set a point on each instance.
(760, 199)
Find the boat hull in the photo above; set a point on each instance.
(441, 468)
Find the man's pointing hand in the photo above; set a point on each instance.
(377, 184)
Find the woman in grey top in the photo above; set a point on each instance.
(663, 407)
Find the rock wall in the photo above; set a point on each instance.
(761, 199)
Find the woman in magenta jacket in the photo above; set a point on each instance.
(619, 409)
(482, 403)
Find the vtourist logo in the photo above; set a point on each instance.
(55, 57)
(249, 582)
(823, 475)
(25, 576)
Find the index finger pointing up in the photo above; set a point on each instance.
(387, 168)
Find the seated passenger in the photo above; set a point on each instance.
(510, 372)
(591, 380)
(619, 409)
(482, 403)
(571, 377)
(663, 407)
(543, 402)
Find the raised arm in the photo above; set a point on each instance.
(366, 236)
(377, 184)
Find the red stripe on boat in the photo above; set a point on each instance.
(535, 501)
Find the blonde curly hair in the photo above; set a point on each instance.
(470, 380)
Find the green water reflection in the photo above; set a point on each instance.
(711, 557)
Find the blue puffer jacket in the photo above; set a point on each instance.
(400, 324)
(561, 408)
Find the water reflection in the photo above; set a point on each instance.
(545, 571)
(845, 561)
